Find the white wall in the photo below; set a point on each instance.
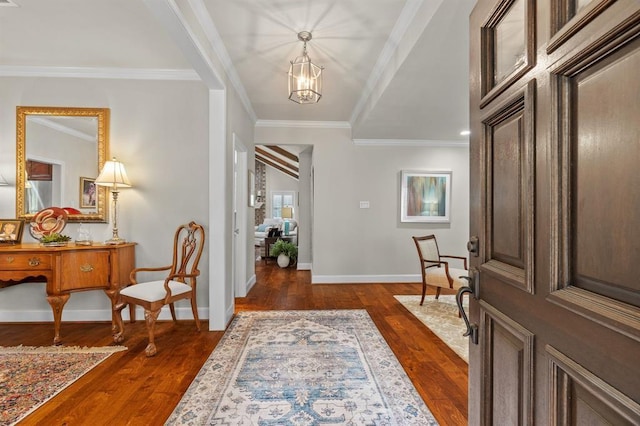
(350, 244)
(159, 129)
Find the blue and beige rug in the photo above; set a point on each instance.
(302, 368)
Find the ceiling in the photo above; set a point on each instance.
(394, 69)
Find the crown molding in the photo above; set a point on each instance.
(89, 72)
(412, 142)
(304, 124)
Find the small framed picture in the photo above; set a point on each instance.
(88, 193)
(11, 231)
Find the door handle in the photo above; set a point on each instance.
(473, 246)
(472, 329)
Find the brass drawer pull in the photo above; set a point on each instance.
(86, 267)
(10, 259)
(34, 261)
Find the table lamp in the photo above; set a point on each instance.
(287, 213)
(114, 175)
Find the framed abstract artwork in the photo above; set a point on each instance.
(425, 196)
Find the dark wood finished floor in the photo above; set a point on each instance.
(131, 389)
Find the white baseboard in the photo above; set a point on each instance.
(364, 279)
(304, 266)
(251, 283)
(96, 315)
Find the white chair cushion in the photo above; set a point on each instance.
(154, 290)
(436, 277)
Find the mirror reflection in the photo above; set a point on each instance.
(60, 153)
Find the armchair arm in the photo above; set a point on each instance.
(456, 257)
(172, 277)
(132, 275)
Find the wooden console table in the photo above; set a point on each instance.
(68, 269)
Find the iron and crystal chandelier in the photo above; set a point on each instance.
(305, 77)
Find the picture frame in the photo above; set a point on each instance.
(88, 193)
(252, 188)
(11, 231)
(425, 196)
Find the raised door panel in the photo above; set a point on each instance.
(508, 353)
(582, 398)
(597, 91)
(508, 198)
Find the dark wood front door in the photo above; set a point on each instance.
(555, 207)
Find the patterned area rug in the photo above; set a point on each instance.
(30, 376)
(302, 368)
(441, 316)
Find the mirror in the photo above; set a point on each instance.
(59, 153)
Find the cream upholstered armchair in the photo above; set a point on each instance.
(179, 283)
(435, 271)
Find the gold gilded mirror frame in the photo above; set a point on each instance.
(102, 144)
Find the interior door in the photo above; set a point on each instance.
(555, 202)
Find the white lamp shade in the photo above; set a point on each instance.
(113, 174)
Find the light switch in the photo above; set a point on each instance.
(364, 204)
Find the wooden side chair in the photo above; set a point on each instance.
(435, 271)
(180, 283)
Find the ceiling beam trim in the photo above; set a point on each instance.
(276, 166)
(276, 160)
(284, 153)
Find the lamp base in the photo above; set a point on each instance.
(115, 240)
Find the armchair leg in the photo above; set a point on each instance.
(194, 309)
(437, 293)
(424, 292)
(150, 318)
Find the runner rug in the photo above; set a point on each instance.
(30, 376)
(302, 368)
(441, 316)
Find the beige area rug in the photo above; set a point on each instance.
(310, 367)
(441, 316)
(30, 376)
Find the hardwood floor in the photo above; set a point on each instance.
(131, 389)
